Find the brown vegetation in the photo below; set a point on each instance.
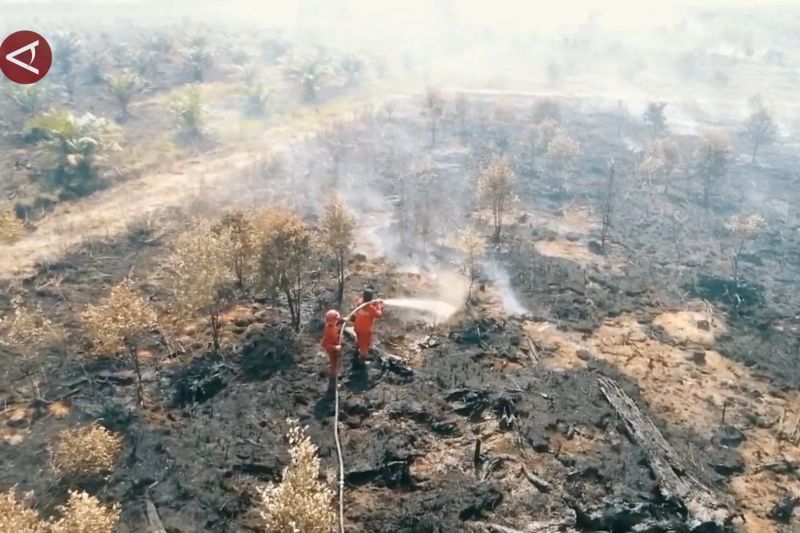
(85, 514)
(11, 227)
(711, 162)
(26, 325)
(338, 226)
(201, 273)
(495, 189)
(17, 517)
(86, 452)
(288, 248)
(743, 229)
(81, 514)
(118, 325)
(473, 245)
(300, 502)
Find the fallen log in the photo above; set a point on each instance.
(536, 481)
(153, 520)
(533, 354)
(704, 509)
(781, 466)
(551, 526)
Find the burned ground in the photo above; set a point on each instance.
(496, 418)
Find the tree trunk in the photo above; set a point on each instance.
(433, 133)
(607, 209)
(215, 327)
(294, 309)
(340, 291)
(736, 262)
(755, 152)
(135, 359)
(497, 218)
(498, 227)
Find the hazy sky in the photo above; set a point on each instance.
(519, 14)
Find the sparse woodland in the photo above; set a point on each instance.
(180, 206)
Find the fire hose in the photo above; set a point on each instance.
(336, 418)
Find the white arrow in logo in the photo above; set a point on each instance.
(12, 57)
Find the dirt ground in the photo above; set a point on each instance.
(501, 418)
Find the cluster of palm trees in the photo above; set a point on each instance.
(74, 144)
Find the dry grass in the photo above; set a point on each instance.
(85, 514)
(86, 452)
(82, 514)
(687, 326)
(26, 326)
(17, 517)
(11, 227)
(300, 503)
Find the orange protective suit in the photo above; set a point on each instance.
(363, 323)
(330, 343)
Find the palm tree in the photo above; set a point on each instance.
(188, 112)
(74, 145)
(353, 68)
(67, 47)
(95, 66)
(199, 59)
(28, 98)
(310, 71)
(257, 99)
(123, 87)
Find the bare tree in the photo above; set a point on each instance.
(495, 187)
(338, 226)
(287, 253)
(743, 229)
(711, 162)
(655, 118)
(119, 324)
(759, 130)
(461, 108)
(660, 162)
(434, 109)
(542, 134)
(424, 199)
(608, 207)
(561, 155)
(473, 245)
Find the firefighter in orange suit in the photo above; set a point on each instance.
(364, 321)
